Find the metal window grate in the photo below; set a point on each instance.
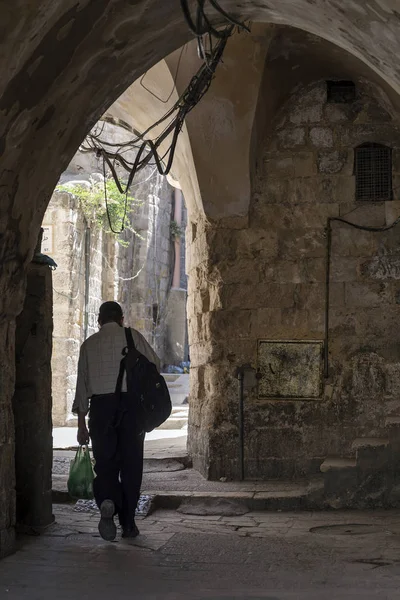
(341, 91)
(373, 170)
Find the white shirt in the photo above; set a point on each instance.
(99, 361)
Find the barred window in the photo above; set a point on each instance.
(373, 171)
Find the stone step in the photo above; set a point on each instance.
(240, 502)
(337, 463)
(170, 377)
(174, 423)
(392, 424)
(370, 443)
(371, 453)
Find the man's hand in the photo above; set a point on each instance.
(83, 433)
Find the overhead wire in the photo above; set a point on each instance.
(146, 147)
(174, 82)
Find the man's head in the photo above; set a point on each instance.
(110, 312)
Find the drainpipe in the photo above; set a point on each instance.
(240, 376)
(327, 289)
(176, 281)
(87, 282)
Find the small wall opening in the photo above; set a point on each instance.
(340, 92)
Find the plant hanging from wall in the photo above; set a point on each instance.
(92, 202)
(176, 231)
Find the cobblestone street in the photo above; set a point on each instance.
(305, 556)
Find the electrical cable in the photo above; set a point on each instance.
(173, 85)
(174, 119)
(148, 150)
(365, 227)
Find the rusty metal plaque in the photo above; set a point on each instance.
(290, 369)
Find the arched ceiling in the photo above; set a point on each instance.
(63, 62)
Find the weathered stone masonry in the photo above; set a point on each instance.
(263, 277)
(62, 68)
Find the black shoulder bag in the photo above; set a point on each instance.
(146, 388)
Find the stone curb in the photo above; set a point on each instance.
(183, 458)
(251, 501)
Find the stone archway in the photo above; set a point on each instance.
(64, 63)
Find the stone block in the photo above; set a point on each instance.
(266, 323)
(256, 244)
(367, 294)
(313, 270)
(396, 161)
(303, 190)
(279, 167)
(258, 296)
(337, 294)
(292, 138)
(383, 133)
(306, 114)
(392, 211)
(309, 296)
(336, 113)
(344, 268)
(283, 271)
(273, 190)
(340, 481)
(372, 453)
(393, 380)
(331, 162)
(302, 324)
(7, 541)
(234, 323)
(321, 137)
(298, 243)
(274, 443)
(378, 324)
(304, 164)
(315, 94)
(338, 188)
(241, 271)
(348, 242)
(313, 216)
(270, 468)
(367, 215)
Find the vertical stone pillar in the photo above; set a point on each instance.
(7, 471)
(32, 400)
(219, 337)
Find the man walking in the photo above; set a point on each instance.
(117, 442)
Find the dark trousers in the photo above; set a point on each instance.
(118, 451)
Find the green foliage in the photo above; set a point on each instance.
(93, 205)
(176, 230)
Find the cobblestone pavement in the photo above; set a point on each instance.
(270, 556)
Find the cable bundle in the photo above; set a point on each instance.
(173, 120)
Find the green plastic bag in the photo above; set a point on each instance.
(81, 476)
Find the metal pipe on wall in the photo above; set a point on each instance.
(240, 376)
(87, 283)
(176, 281)
(327, 289)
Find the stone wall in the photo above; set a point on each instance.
(263, 277)
(32, 401)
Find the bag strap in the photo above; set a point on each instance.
(129, 339)
(129, 348)
(120, 377)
